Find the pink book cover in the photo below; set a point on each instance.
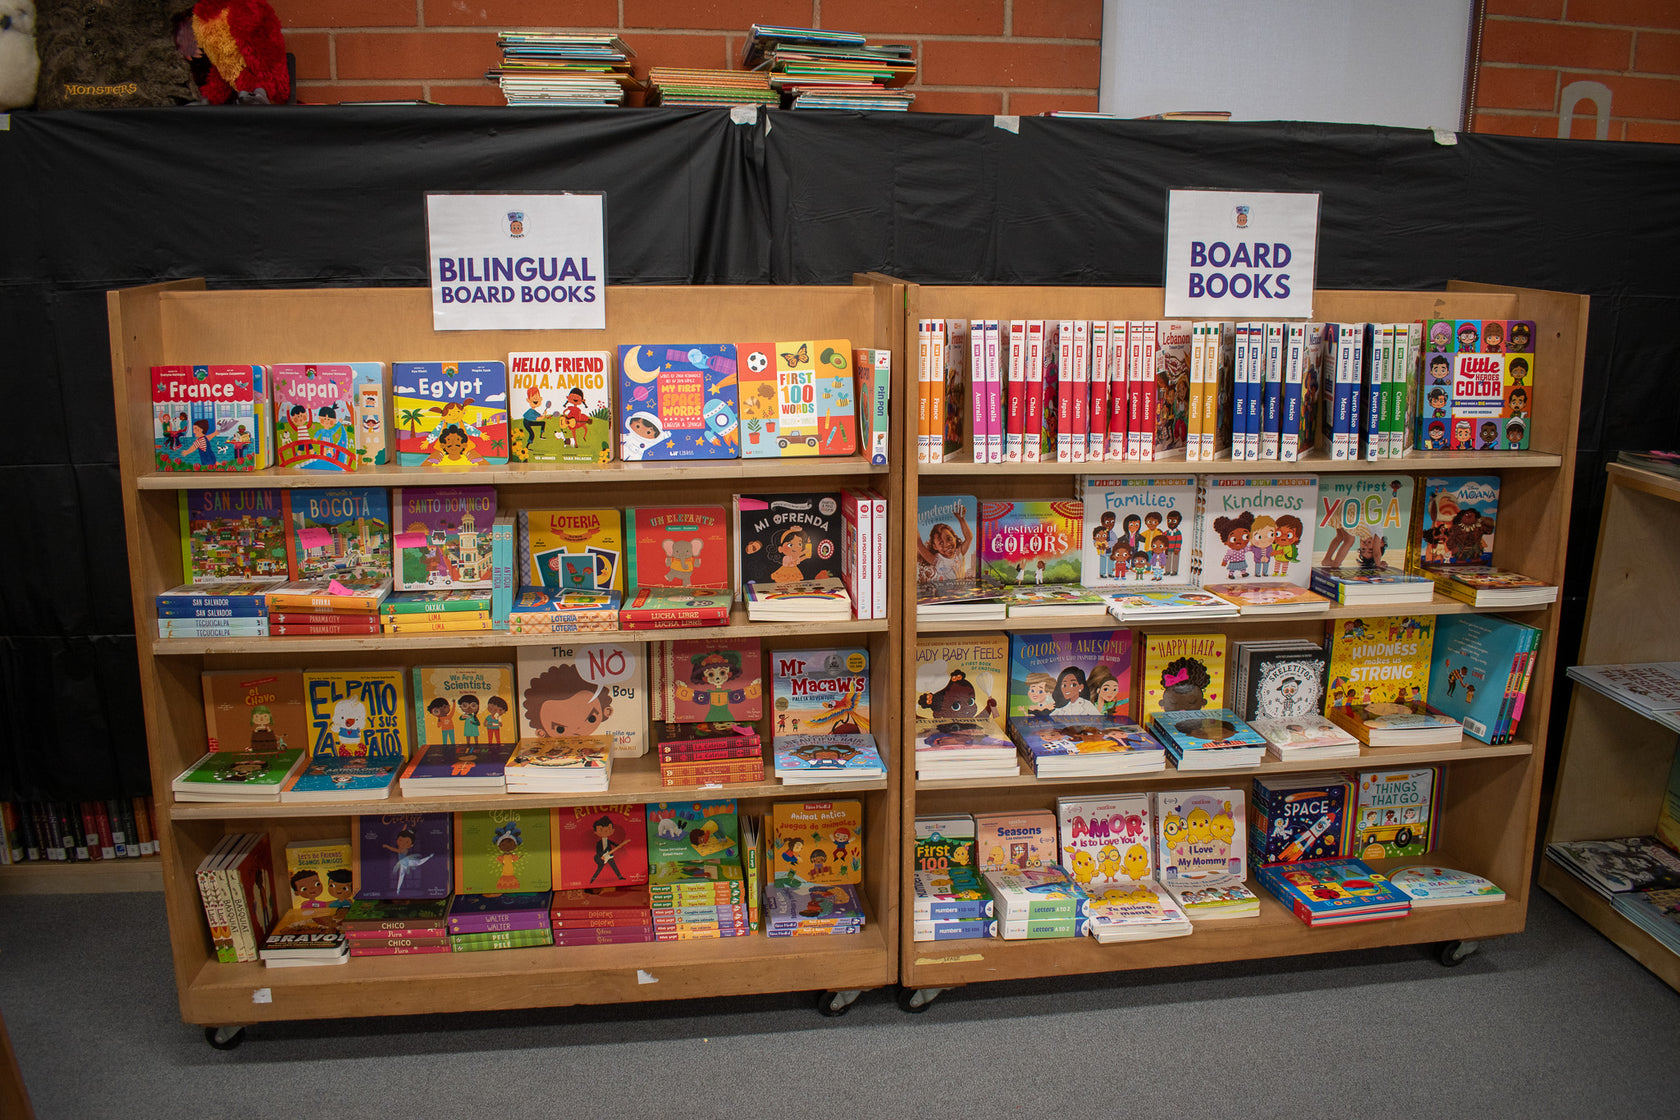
(1140, 376)
(1065, 391)
(1017, 390)
(976, 392)
(1096, 445)
(997, 345)
(1032, 422)
(1081, 396)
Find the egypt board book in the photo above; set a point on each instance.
(572, 549)
(1030, 542)
(1126, 517)
(403, 855)
(442, 537)
(450, 414)
(585, 689)
(232, 534)
(676, 546)
(1080, 673)
(786, 538)
(334, 534)
(560, 406)
(255, 709)
(209, 418)
(819, 691)
(314, 416)
(797, 398)
(464, 704)
(503, 850)
(678, 401)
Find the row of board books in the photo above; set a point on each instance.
(1084, 391)
(673, 402)
(52, 831)
(596, 874)
(1650, 688)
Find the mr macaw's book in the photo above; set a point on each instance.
(209, 418)
(450, 414)
(337, 534)
(599, 846)
(560, 406)
(442, 537)
(820, 691)
(678, 401)
(232, 534)
(314, 416)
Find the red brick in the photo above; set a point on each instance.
(1032, 104)
(1655, 52)
(1533, 9)
(508, 14)
(715, 15)
(1646, 98)
(1652, 131)
(957, 101)
(1056, 19)
(708, 51)
(489, 93)
(1494, 124)
(1010, 64)
(1516, 87)
(313, 51)
(878, 18)
(331, 93)
(1626, 13)
(415, 55)
(1556, 44)
(335, 13)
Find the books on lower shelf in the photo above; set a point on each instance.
(1657, 912)
(1327, 892)
(1201, 852)
(1309, 736)
(1616, 866)
(821, 759)
(1410, 723)
(1442, 886)
(1086, 746)
(241, 777)
(305, 938)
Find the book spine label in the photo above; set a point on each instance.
(924, 378)
(1289, 432)
(1271, 405)
(1032, 424)
(1141, 371)
(997, 343)
(1015, 429)
(976, 391)
(1081, 396)
(1149, 394)
(1193, 405)
(1096, 445)
(1371, 379)
(936, 392)
(1119, 391)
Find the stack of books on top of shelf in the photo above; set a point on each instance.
(451, 769)
(1651, 688)
(806, 909)
(238, 776)
(397, 927)
(1191, 605)
(815, 600)
(569, 764)
(550, 68)
(328, 606)
(709, 754)
(819, 69)
(442, 611)
(962, 688)
(1037, 902)
(1086, 746)
(826, 759)
(227, 608)
(951, 901)
(1487, 586)
(672, 85)
(602, 916)
(516, 920)
(555, 610)
(1208, 739)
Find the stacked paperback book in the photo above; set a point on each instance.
(1652, 688)
(674, 86)
(550, 68)
(815, 68)
(1107, 843)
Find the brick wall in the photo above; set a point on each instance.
(976, 56)
(1534, 50)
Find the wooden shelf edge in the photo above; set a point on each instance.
(1417, 460)
(105, 876)
(1440, 604)
(1596, 911)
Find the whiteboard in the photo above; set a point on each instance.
(1347, 61)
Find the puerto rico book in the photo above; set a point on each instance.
(677, 546)
(1134, 531)
(599, 846)
(1364, 521)
(1085, 673)
(232, 534)
(464, 704)
(560, 406)
(208, 418)
(678, 401)
(442, 537)
(1031, 542)
(572, 549)
(403, 855)
(254, 709)
(450, 414)
(786, 538)
(503, 850)
(338, 534)
(819, 691)
(314, 417)
(797, 399)
(1257, 528)
(594, 689)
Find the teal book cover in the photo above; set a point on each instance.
(1471, 667)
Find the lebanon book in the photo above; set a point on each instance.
(786, 538)
(560, 406)
(450, 414)
(442, 537)
(209, 418)
(232, 534)
(677, 546)
(339, 534)
(1085, 673)
(797, 399)
(593, 689)
(1327, 892)
(403, 855)
(678, 401)
(314, 416)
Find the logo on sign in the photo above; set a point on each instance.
(516, 223)
(1242, 217)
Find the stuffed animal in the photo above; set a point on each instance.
(19, 64)
(242, 43)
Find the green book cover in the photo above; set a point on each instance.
(501, 850)
(238, 771)
(507, 939)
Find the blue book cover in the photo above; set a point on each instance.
(678, 401)
(1470, 669)
(1088, 673)
(359, 778)
(1204, 729)
(1332, 888)
(1299, 818)
(1292, 423)
(955, 930)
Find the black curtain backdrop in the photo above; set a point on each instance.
(303, 196)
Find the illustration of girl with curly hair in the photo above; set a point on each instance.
(1233, 533)
(506, 841)
(1184, 684)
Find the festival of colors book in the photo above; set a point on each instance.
(586, 689)
(678, 401)
(232, 534)
(450, 414)
(442, 537)
(797, 399)
(560, 406)
(1030, 542)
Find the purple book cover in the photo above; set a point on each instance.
(441, 535)
(490, 913)
(403, 855)
(460, 760)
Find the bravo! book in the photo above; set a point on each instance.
(503, 850)
(337, 534)
(600, 846)
(820, 691)
(797, 399)
(1029, 543)
(403, 855)
(678, 402)
(1134, 531)
(677, 546)
(208, 418)
(442, 537)
(450, 414)
(1088, 673)
(595, 689)
(232, 534)
(560, 406)
(314, 417)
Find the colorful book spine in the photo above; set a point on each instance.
(1119, 390)
(1193, 405)
(997, 347)
(1080, 397)
(976, 392)
(1014, 429)
(504, 560)
(1096, 443)
(1271, 391)
(924, 376)
(1289, 425)
(1032, 420)
(1371, 383)
(1145, 400)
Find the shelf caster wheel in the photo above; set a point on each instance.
(917, 1000)
(1454, 953)
(832, 1005)
(224, 1038)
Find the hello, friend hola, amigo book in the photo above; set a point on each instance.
(560, 406)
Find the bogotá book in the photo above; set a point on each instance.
(232, 534)
(1083, 673)
(572, 549)
(503, 850)
(450, 414)
(1106, 839)
(254, 709)
(442, 537)
(599, 846)
(1030, 542)
(209, 418)
(403, 855)
(816, 841)
(314, 416)
(560, 406)
(1363, 521)
(466, 704)
(593, 689)
(358, 713)
(678, 401)
(1455, 520)
(1397, 812)
(677, 546)
(1257, 528)
(684, 831)
(1134, 531)
(962, 678)
(820, 691)
(706, 680)
(339, 534)
(786, 538)
(797, 399)
(1179, 672)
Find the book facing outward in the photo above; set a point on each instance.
(1208, 739)
(1201, 852)
(227, 776)
(1326, 892)
(1270, 598)
(573, 764)
(1442, 886)
(1612, 867)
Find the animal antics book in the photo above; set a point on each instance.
(1087, 673)
(337, 534)
(1134, 531)
(707, 680)
(560, 406)
(1179, 672)
(594, 689)
(1380, 660)
(403, 855)
(232, 534)
(786, 538)
(358, 714)
(450, 414)
(1455, 520)
(1364, 521)
(314, 416)
(572, 549)
(598, 846)
(442, 537)
(1397, 812)
(1257, 528)
(255, 709)
(464, 704)
(820, 691)
(677, 546)
(678, 401)
(1031, 542)
(1107, 839)
(208, 418)
(816, 841)
(962, 678)
(797, 398)
(503, 850)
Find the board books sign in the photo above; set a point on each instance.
(517, 261)
(1241, 254)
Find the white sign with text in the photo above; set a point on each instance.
(1241, 254)
(517, 261)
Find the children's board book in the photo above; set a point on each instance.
(707, 680)
(321, 874)
(572, 549)
(797, 399)
(677, 401)
(1200, 836)
(962, 678)
(232, 534)
(1305, 736)
(359, 713)
(1326, 892)
(1073, 746)
(1179, 672)
(373, 413)
(1016, 840)
(1378, 660)
(314, 416)
(1269, 597)
(255, 710)
(230, 776)
(450, 414)
(786, 538)
(442, 537)
(466, 704)
(439, 770)
(1442, 886)
(338, 534)
(1397, 812)
(682, 831)
(1279, 679)
(805, 759)
(820, 691)
(874, 392)
(946, 546)
(816, 841)
(560, 405)
(677, 546)
(1134, 531)
(1475, 671)
(209, 418)
(1455, 520)
(585, 690)
(599, 846)
(1257, 528)
(1107, 839)
(1630, 863)
(498, 851)
(1208, 739)
(1300, 817)
(1364, 521)
(1088, 673)
(403, 855)
(1028, 543)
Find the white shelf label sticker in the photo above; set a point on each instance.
(262, 995)
(643, 976)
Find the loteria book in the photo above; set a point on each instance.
(464, 704)
(1199, 837)
(1134, 531)
(683, 831)
(820, 691)
(450, 414)
(232, 534)
(315, 418)
(1107, 839)
(1455, 520)
(1378, 660)
(358, 714)
(1364, 521)
(594, 689)
(677, 402)
(816, 842)
(1397, 812)
(443, 537)
(786, 538)
(1300, 817)
(1256, 528)
(797, 399)
(1179, 672)
(254, 710)
(598, 846)
(403, 855)
(1476, 670)
(321, 874)
(947, 548)
(1326, 892)
(1031, 542)
(1016, 840)
(572, 549)
(1088, 673)
(503, 850)
(209, 418)
(706, 680)
(339, 534)
(962, 678)
(560, 406)
(677, 546)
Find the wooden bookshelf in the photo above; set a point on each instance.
(181, 322)
(102, 876)
(1491, 794)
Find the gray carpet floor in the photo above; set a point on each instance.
(1554, 1022)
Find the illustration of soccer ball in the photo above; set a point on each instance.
(757, 362)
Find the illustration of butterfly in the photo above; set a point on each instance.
(800, 356)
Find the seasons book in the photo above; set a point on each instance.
(232, 534)
(338, 534)
(820, 691)
(314, 416)
(786, 538)
(1134, 531)
(797, 399)
(403, 855)
(450, 414)
(678, 401)
(1086, 673)
(677, 546)
(442, 537)
(560, 405)
(594, 689)
(1030, 542)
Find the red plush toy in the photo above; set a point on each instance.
(246, 55)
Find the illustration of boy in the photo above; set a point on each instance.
(560, 702)
(442, 711)
(533, 420)
(494, 709)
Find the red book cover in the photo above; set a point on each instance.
(678, 546)
(600, 846)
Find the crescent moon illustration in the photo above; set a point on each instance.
(633, 369)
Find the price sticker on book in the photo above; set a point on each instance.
(1241, 254)
(517, 261)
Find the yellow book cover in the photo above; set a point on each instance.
(1379, 660)
(573, 549)
(361, 713)
(464, 704)
(1180, 672)
(817, 841)
(320, 873)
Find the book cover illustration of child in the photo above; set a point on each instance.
(1363, 521)
(817, 841)
(560, 407)
(451, 414)
(1199, 833)
(1074, 674)
(443, 537)
(797, 399)
(339, 534)
(1133, 530)
(254, 710)
(720, 682)
(232, 534)
(1257, 528)
(314, 417)
(206, 418)
(1379, 663)
(787, 538)
(1457, 520)
(1181, 672)
(600, 846)
(585, 690)
(678, 402)
(962, 679)
(454, 703)
(404, 855)
(945, 528)
(503, 850)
